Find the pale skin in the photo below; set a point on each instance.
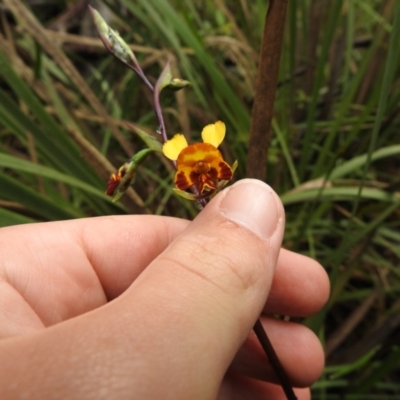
(149, 307)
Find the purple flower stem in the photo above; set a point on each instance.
(159, 114)
(258, 328)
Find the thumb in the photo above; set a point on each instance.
(174, 332)
(206, 290)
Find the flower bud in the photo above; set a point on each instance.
(111, 38)
(120, 181)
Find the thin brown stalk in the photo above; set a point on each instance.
(274, 360)
(266, 84)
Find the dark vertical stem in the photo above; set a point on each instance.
(266, 83)
(260, 137)
(274, 360)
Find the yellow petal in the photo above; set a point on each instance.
(198, 152)
(214, 133)
(173, 147)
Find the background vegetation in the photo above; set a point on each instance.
(334, 155)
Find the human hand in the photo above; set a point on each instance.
(150, 307)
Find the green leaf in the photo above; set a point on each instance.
(8, 218)
(32, 200)
(150, 140)
(17, 164)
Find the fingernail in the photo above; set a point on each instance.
(252, 204)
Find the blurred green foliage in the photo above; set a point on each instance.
(334, 157)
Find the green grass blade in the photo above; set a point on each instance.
(8, 218)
